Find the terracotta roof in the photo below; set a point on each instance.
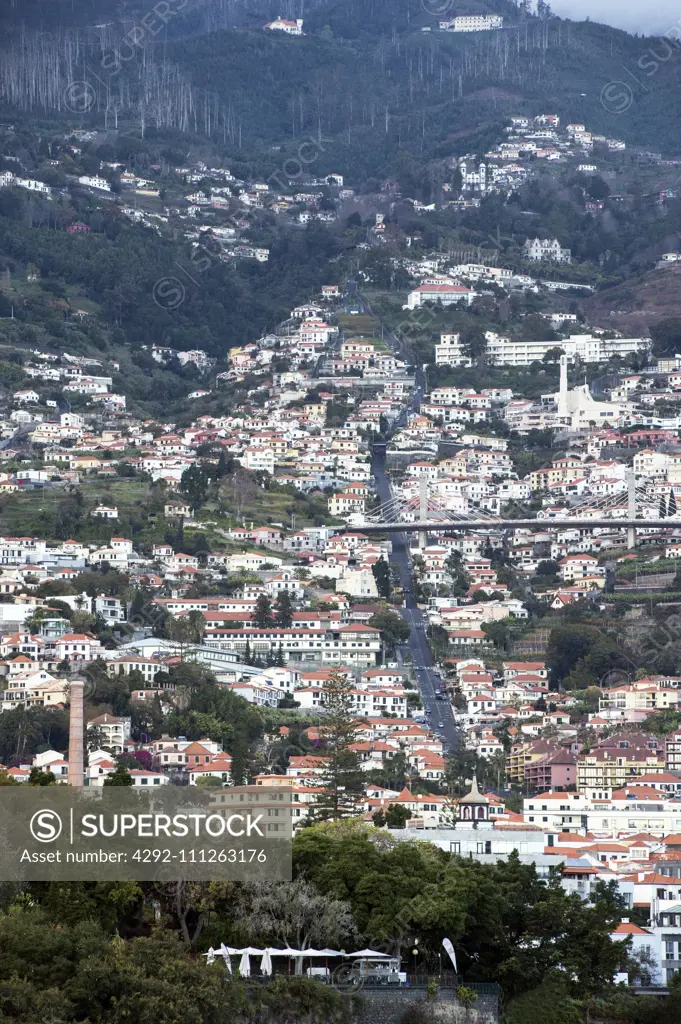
(627, 928)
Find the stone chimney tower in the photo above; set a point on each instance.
(76, 734)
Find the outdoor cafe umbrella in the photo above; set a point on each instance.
(287, 952)
(245, 965)
(266, 963)
(368, 952)
(211, 956)
(225, 952)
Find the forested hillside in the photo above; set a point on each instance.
(117, 266)
(363, 72)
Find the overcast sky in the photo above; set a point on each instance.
(651, 17)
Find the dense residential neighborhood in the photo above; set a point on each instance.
(392, 531)
(276, 613)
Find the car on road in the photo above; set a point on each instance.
(440, 725)
(428, 710)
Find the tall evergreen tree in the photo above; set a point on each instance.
(342, 779)
(381, 571)
(262, 616)
(241, 762)
(284, 610)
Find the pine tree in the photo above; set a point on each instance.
(284, 610)
(671, 507)
(241, 762)
(342, 778)
(247, 653)
(279, 660)
(262, 616)
(381, 571)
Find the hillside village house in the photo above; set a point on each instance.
(546, 249)
(291, 28)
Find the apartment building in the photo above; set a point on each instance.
(612, 768)
(513, 352)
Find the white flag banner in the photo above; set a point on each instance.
(447, 943)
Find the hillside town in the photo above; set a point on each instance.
(596, 795)
(473, 547)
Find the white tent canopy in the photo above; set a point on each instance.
(369, 952)
(270, 951)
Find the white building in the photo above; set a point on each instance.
(537, 249)
(292, 28)
(94, 181)
(105, 512)
(115, 731)
(445, 294)
(357, 583)
(512, 352)
(472, 23)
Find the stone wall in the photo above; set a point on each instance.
(386, 1007)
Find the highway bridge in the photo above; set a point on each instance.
(494, 525)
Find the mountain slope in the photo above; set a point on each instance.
(365, 75)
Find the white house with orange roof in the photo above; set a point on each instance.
(284, 580)
(512, 669)
(663, 953)
(98, 770)
(75, 647)
(290, 28)
(427, 811)
(383, 677)
(52, 761)
(428, 765)
(171, 753)
(219, 768)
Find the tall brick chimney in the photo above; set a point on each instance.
(76, 734)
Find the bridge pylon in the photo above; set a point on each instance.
(423, 510)
(631, 508)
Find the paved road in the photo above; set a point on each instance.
(427, 675)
